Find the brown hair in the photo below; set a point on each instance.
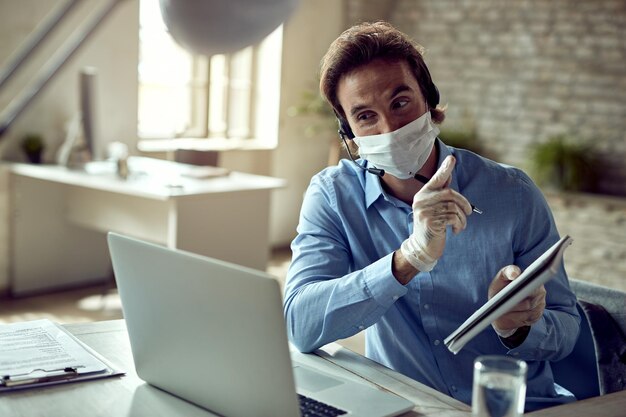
(365, 42)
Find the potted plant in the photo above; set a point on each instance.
(33, 146)
(562, 163)
(323, 122)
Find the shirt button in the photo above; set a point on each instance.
(515, 353)
(453, 388)
(395, 297)
(361, 327)
(436, 342)
(426, 306)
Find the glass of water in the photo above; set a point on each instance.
(499, 388)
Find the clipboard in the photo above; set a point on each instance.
(538, 273)
(42, 353)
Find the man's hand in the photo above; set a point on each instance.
(435, 207)
(527, 312)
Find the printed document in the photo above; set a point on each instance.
(41, 351)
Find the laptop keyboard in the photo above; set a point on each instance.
(311, 408)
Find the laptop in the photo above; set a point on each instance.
(213, 333)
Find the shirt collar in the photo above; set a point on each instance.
(374, 189)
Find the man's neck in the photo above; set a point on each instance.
(405, 189)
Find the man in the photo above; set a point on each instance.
(406, 259)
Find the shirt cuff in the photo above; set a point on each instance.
(504, 333)
(381, 283)
(530, 346)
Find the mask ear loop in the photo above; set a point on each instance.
(345, 132)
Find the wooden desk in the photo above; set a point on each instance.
(129, 396)
(59, 218)
(610, 405)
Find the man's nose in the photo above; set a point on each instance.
(388, 124)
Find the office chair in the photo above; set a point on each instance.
(597, 365)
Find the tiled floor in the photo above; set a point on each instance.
(94, 303)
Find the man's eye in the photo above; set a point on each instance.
(399, 104)
(365, 117)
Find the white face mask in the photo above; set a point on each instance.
(403, 152)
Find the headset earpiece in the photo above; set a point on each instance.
(344, 127)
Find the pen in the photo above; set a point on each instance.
(424, 180)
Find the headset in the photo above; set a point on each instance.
(345, 132)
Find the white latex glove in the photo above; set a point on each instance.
(435, 207)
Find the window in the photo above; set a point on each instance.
(234, 96)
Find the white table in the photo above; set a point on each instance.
(59, 218)
(130, 396)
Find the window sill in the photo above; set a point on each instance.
(203, 145)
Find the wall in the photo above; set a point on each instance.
(307, 36)
(518, 72)
(521, 71)
(480, 55)
(4, 230)
(112, 49)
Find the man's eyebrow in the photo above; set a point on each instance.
(355, 109)
(399, 89)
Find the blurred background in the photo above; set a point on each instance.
(533, 83)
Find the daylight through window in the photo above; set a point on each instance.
(226, 96)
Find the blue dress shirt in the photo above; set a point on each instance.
(340, 280)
